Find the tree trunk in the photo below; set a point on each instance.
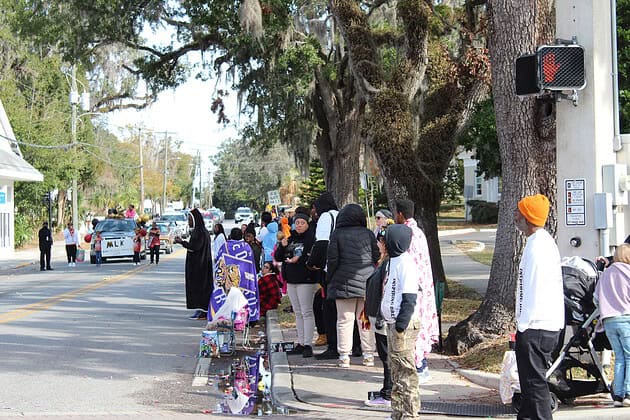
(338, 113)
(526, 134)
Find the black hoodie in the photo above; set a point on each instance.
(352, 254)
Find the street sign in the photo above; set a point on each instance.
(274, 197)
(575, 204)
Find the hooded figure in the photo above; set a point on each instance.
(269, 241)
(199, 279)
(326, 210)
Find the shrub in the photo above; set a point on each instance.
(23, 230)
(483, 211)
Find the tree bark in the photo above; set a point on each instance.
(61, 205)
(526, 134)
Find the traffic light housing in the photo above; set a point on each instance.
(552, 68)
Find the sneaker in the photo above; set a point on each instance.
(378, 402)
(322, 340)
(308, 351)
(622, 403)
(423, 376)
(199, 314)
(42, 269)
(299, 349)
(329, 354)
(74, 264)
(368, 361)
(343, 362)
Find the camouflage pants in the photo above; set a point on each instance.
(405, 392)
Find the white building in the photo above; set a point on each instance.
(12, 168)
(475, 186)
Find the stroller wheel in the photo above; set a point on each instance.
(554, 402)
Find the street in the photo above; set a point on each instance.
(113, 340)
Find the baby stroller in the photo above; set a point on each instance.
(579, 342)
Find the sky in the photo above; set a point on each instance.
(185, 112)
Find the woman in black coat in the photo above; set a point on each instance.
(292, 252)
(352, 256)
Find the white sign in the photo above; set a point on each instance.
(274, 197)
(575, 206)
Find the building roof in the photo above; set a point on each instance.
(12, 165)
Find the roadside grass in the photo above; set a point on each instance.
(459, 303)
(451, 216)
(484, 256)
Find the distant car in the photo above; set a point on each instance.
(167, 237)
(220, 215)
(243, 215)
(117, 240)
(209, 221)
(179, 222)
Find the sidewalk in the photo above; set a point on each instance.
(321, 389)
(27, 257)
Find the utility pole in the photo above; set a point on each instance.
(166, 142)
(200, 189)
(141, 206)
(74, 100)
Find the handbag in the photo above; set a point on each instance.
(80, 257)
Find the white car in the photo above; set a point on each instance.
(179, 222)
(117, 240)
(243, 215)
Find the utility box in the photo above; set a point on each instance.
(614, 179)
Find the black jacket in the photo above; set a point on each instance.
(297, 273)
(45, 238)
(352, 255)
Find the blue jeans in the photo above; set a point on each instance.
(99, 257)
(618, 333)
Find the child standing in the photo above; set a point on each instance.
(398, 308)
(269, 288)
(98, 248)
(137, 246)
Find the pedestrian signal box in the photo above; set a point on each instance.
(553, 67)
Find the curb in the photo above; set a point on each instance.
(442, 233)
(484, 379)
(282, 382)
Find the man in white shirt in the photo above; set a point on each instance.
(539, 306)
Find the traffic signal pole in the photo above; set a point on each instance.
(589, 197)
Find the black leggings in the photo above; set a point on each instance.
(71, 253)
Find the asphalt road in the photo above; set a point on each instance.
(113, 340)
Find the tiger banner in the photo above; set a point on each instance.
(234, 267)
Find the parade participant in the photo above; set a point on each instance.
(199, 278)
(613, 293)
(130, 213)
(352, 255)
(98, 248)
(71, 237)
(400, 313)
(45, 245)
(539, 306)
(137, 245)
(301, 282)
(154, 243)
(419, 250)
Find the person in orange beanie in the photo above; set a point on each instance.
(539, 306)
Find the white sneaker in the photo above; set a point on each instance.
(424, 376)
(368, 361)
(69, 264)
(343, 362)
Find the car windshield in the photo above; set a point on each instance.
(207, 216)
(173, 218)
(163, 228)
(116, 225)
(243, 210)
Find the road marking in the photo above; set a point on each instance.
(51, 301)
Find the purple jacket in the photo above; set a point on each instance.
(613, 291)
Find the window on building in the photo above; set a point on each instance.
(478, 183)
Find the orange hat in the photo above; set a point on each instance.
(535, 208)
